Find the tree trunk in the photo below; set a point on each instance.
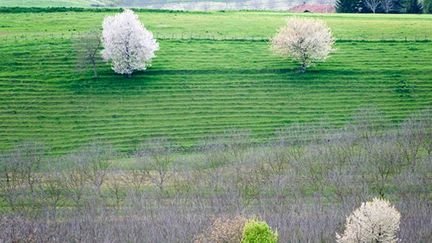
(303, 67)
(95, 75)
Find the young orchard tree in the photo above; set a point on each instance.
(19, 173)
(304, 40)
(157, 157)
(89, 171)
(127, 43)
(86, 47)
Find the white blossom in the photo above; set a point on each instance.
(375, 221)
(304, 40)
(127, 43)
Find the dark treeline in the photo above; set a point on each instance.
(384, 6)
(303, 184)
(342, 6)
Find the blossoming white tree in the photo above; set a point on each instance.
(127, 43)
(304, 40)
(375, 221)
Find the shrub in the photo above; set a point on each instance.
(375, 221)
(258, 232)
(224, 230)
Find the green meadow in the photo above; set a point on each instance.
(214, 72)
(53, 3)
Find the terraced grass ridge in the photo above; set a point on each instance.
(214, 72)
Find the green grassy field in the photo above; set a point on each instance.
(53, 3)
(88, 3)
(201, 86)
(224, 24)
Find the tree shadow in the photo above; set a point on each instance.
(109, 82)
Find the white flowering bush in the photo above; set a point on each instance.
(127, 43)
(375, 221)
(304, 40)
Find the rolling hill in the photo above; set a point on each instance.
(55, 3)
(213, 73)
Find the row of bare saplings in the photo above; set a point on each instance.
(224, 175)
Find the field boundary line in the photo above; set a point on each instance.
(192, 37)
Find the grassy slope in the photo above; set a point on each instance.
(259, 24)
(75, 3)
(51, 3)
(196, 88)
(87, 3)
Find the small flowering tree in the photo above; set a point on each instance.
(304, 40)
(375, 221)
(127, 43)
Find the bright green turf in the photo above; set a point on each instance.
(201, 87)
(229, 24)
(52, 3)
(84, 3)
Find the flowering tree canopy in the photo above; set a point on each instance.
(375, 221)
(127, 43)
(304, 40)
